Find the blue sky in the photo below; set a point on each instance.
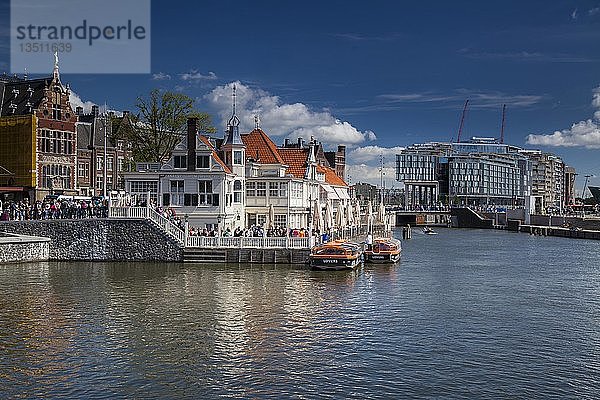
(392, 73)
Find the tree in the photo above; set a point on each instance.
(161, 124)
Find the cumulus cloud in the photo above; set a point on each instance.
(195, 76)
(76, 101)
(362, 173)
(581, 134)
(161, 76)
(283, 119)
(371, 154)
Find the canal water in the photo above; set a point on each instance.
(466, 314)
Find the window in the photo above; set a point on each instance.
(58, 142)
(141, 189)
(296, 190)
(237, 157)
(203, 162)
(177, 198)
(109, 163)
(119, 164)
(205, 194)
(280, 220)
(237, 191)
(261, 189)
(109, 183)
(83, 170)
(261, 219)
(56, 176)
(180, 161)
(55, 111)
(277, 189)
(100, 182)
(99, 163)
(250, 189)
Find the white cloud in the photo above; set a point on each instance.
(76, 101)
(574, 14)
(581, 134)
(161, 76)
(362, 173)
(283, 119)
(195, 76)
(594, 11)
(371, 154)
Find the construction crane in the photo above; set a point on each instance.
(462, 120)
(502, 126)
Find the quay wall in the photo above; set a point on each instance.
(18, 248)
(100, 239)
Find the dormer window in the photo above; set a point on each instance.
(203, 162)
(180, 161)
(13, 107)
(15, 92)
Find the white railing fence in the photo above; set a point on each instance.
(208, 241)
(180, 235)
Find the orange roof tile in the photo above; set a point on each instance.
(330, 176)
(214, 154)
(295, 159)
(257, 142)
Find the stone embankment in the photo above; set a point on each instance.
(20, 248)
(100, 239)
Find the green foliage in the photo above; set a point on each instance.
(160, 124)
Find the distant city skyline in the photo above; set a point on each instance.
(377, 77)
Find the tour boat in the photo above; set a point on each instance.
(336, 255)
(384, 250)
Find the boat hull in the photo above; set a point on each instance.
(334, 264)
(382, 258)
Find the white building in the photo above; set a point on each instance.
(239, 181)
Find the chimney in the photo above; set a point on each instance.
(79, 110)
(125, 112)
(286, 143)
(300, 143)
(95, 110)
(192, 131)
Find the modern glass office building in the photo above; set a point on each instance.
(481, 171)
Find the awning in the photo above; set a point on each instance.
(342, 194)
(331, 193)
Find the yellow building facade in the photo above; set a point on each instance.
(18, 140)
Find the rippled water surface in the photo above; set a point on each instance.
(478, 314)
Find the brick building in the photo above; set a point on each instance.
(37, 114)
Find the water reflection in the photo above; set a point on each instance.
(446, 322)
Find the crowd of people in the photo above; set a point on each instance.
(53, 208)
